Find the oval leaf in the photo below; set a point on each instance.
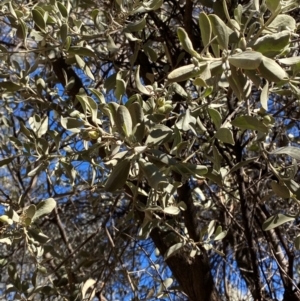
(123, 121)
(225, 135)
(249, 60)
(271, 71)
(44, 207)
(118, 176)
(276, 220)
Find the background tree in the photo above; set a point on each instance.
(149, 150)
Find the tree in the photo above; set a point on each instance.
(149, 150)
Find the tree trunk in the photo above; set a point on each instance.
(193, 274)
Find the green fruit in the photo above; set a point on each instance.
(94, 135)
(267, 119)
(160, 101)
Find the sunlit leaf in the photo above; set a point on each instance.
(281, 21)
(185, 41)
(159, 134)
(264, 96)
(136, 26)
(185, 121)
(84, 51)
(273, 44)
(291, 151)
(205, 27)
(44, 207)
(272, 5)
(277, 220)
(271, 71)
(88, 283)
(123, 121)
(173, 250)
(220, 30)
(249, 60)
(72, 124)
(152, 173)
(216, 117)
(172, 210)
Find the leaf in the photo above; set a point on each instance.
(296, 242)
(136, 113)
(249, 123)
(185, 42)
(64, 32)
(152, 173)
(271, 45)
(6, 161)
(241, 164)
(172, 210)
(272, 5)
(138, 125)
(30, 211)
(38, 19)
(281, 21)
(173, 250)
(44, 207)
(99, 95)
(158, 156)
(62, 9)
(84, 51)
(168, 282)
(72, 124)
(216, 117)
(136, 26)
(271, 71)
(89, 283)
(179, 89)
(249, 60)
(189, 169)
(22, 31)
(291, 151)
(153, 4)
(158, 135)
(264, 96)
(289, 61)
(5, 219)
(123, 121)
(186, 72)
(6, 241)
(277, 220)
(38, 236)
(120, 88)
(118, 176)
(220, 236)
(225, 135)
(281, 190)
(89, 104)
(84, 66)
(152, 54)
(138, 83)
(205, 28)
(220, 30)
(36, 170)
(185, 121)
(10, 86)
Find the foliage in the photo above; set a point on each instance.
(149, 150)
